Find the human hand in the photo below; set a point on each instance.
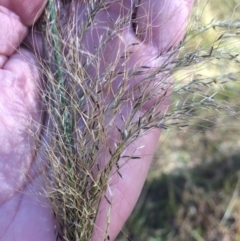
(24, 214)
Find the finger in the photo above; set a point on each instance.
(12, 33)
(15, 15)
(122, 10)
(104, 39)
(162, 23)
(27, 10)
(122, 192)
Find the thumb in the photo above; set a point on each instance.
(15, 16)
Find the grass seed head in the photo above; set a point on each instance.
(85, 105)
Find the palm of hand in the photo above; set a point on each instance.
(23, 214)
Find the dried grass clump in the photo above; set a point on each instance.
(81, 115)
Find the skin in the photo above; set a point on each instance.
(24, 215)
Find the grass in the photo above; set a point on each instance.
(80, 119)
(187, 194)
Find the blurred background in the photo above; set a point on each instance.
(193, 189)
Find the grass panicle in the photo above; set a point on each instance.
(82, 112)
